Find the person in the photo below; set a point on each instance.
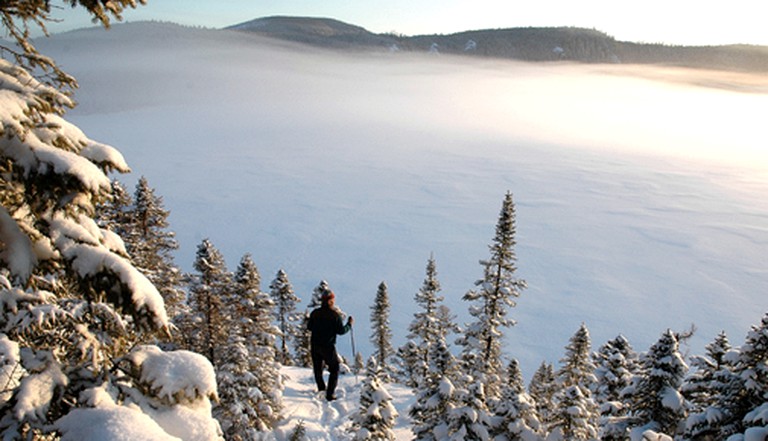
(325, 323)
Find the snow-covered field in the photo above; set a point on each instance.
(640, 194)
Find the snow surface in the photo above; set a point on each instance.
(324, 420)
(639, 191)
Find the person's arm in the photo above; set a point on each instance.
(342, 328)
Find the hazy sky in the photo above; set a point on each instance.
(655, 21)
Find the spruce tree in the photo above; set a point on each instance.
(412, 367)
(697, 387)
(495, 293)
(205, 330)
(515, 417)
(751, 367)
(375, 417)
(151, 245)
(712, 389)
(285, 300)
(471, 418)
(542, 389)
(576, 415)
(431, 323)
(656, 403)
(253, 312)
(436, 396)
(616, 364)
(113, 213)
(381, 335)
(358, 365)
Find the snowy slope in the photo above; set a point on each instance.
(330, 421)
(640, 197)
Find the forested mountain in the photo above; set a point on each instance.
(528, 44)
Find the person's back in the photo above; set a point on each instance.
(325, 323)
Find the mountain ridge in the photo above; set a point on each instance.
(537, 44)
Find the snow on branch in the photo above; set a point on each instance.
(80, 242)
(17, 252)
(177, 376)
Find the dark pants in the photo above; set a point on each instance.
(325, 356)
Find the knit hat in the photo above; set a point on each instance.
(328, 296)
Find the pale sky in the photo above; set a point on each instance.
(689, 22)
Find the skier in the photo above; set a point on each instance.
(325, 323)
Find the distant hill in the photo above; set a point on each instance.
(323, 32)
(527, 44)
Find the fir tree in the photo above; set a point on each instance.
(751, 367)
(237, 410)
(205, 330)
(616, 364)
(74, 306)
(151, 246)
(656, 403)
(576, 416)
(412, 367)
(381, 335)
(431, 323)
(285, 313)
(712, 389)
(436, 396)
(495, 293)
(697, 387)
(114, 212)
(250, 388)
(515, 417)
(470, 419)
(358, 364)
(375, 418)
(542, 389)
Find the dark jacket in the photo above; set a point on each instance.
(325, 323)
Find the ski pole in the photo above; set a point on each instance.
(354, 354)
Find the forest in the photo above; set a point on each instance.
(99, 325)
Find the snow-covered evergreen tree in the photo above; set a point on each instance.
(542, 389)
(470, 419)
(375, 417)
(751, 367)
(411, 367)
(433, 322)
(698, 386)
(514, 414)
(495, 293)
(576, 416)
(656, 403)
(72, 305)
(616, 364)
(151, 245)
(358, 365)
(250, 385)
(113, 213)
(205, 329)
(436, 396)
(285, 300)
(713, 389)
(381, 333)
